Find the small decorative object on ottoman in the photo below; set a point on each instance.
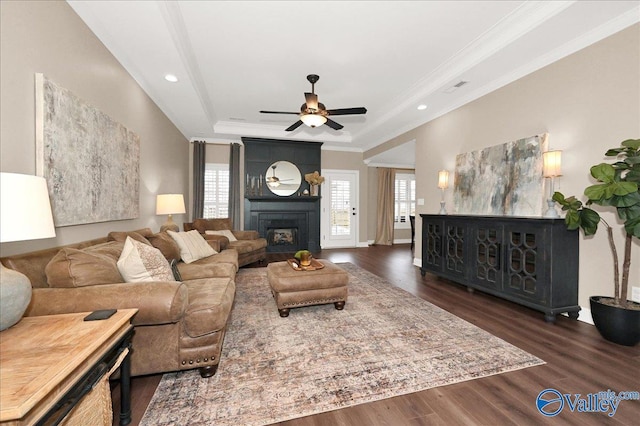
(294, 288)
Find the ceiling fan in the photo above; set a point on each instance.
(313, 113)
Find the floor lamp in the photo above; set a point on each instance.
(551, 168)
(25, 214)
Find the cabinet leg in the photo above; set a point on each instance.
(550, 318)
(423, 272)
(470, 290)
(574, 315)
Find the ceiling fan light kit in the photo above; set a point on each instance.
(314, 114)
(313, 120)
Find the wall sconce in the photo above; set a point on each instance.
(551, 168)
(25, 214)
(443, 183)
(170, 204)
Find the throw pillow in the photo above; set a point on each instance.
(192, 246)
(79, 268)
(167, 246)
(225, 233)
(141, 262)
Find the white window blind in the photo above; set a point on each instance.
(216, 190)
(405, 199)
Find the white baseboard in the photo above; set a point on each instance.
(417, 262)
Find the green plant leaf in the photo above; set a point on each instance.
(631, 143)
(589, 220)
(626, 213)
(632, 227)
(558, 197)
(603, 172)
(572, 219)
(596, 192)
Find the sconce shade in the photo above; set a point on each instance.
(313, 120)
(25, 209)
(443, 179)
(552, 164)
(170, 204)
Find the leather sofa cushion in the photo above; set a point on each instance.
(91, 266)
(213, 224)
(248, 246)
(223, 264)
(167, 245)
(140, 236)
(210, 302)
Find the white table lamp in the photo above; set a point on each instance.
(551, 168)
(170, 204)
(25, 214)
(443, 183)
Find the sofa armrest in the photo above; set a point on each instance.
(157, 302)
(218, 242)
(246, 235)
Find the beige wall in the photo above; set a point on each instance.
(48, 37)
(588, 102)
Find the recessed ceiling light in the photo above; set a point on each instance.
(422, 107)
(170, 77)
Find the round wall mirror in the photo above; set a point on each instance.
(283, 178)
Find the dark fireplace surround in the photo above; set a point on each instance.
(289, 223)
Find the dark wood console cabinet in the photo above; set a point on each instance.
(530, 261)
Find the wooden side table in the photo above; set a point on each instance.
(48, 363)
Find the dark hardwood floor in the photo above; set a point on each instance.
(578, 361)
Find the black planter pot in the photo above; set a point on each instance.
(618, 325)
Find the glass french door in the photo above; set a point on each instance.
(339, 207)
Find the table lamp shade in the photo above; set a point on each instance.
(443, 179)
(25, 210)
(170, 204)
(25, 214)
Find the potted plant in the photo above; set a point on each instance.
(616, 318)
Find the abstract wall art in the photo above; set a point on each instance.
(502, 180)
(90, 162)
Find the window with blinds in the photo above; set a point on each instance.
(405, 199)
(216, 190)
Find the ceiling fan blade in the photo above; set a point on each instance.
(333, 124)
(279, 112)
(312, 101)
(294, 126)
(347, 111)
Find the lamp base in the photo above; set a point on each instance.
(15, 295)
(169, 225)
(442, 209)
(551, 211)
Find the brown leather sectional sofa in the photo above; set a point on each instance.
(180, 325)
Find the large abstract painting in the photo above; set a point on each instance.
(90, 161)
(504, 180)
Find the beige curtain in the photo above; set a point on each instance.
(386, 198)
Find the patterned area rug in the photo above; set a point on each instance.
(386, 342)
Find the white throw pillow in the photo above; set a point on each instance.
(225, 233)
(142, 262)
(192, 246)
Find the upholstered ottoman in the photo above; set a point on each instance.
(293, 289)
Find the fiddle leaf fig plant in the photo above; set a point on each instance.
(618, 187)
